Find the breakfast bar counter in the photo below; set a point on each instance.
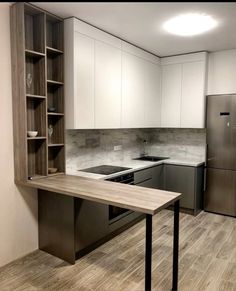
(144, 200)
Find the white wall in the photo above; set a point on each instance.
(222, 72)
(18, 206)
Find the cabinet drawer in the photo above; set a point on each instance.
(142, 175)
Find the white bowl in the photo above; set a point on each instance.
(32, 133)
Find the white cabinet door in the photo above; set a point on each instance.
(222, 72)
(152, 101)
(193, 95)
(133, 74)
(84, 81)
(171, 95)
(107, 86)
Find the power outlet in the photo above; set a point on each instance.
(118, 148)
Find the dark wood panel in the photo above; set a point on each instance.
(55, 67)
(29, 32)
(54, 31)
(56, 214)
(57, 123)
(56, 98)
(36, 116)
(56, 158)
(18, 91)
(34, 30)
(37, 163)
(35, 69)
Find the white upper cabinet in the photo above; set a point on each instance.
(140, 88)
(193, 95)
(222, 72)
(107, 86)
(171, 95)
(152, 95)
(84, 81)
(183, 91)
(110, 83)
(79, 79)
(92, 77)
(133, 74)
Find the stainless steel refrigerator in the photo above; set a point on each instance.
(220, 194)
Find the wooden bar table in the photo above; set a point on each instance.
(140, 199)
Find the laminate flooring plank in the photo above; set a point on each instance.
(226, 286)
(211, 279)
(207, 260)
(191, 278)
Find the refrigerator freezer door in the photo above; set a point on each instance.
(220, 194)
(221, 132)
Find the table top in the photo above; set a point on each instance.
(136, 198)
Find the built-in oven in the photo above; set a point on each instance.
(117, 213)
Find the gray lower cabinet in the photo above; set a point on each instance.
(92, 219)
(184, 179)
(187, 180)
(151, 177)
(91, 223)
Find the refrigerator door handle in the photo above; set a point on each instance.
(205, 173)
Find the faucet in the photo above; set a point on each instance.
(144, 151)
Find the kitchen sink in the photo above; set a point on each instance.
(151, 158)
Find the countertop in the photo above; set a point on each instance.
(145, 200)
(135, 165)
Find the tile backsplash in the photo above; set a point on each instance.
(86, 148)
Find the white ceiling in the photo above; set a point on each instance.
(141, 23)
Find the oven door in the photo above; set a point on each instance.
(117, 213)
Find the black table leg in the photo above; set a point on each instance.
(175, 247)
(148, 255)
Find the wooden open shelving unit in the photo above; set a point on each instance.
(37, 78)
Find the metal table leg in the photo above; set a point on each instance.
(148, 255)
(175, 247)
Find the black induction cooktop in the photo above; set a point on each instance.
(105, 169)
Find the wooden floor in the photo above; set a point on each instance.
(207, 260)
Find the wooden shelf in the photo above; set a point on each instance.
(56, 158)
(51, 82)
(37, 55)
(55, 174)
(36, 137)
(34, 54)
(36, 177)
(53, 51)
(35, 96)
(55, 114)
(56, 144)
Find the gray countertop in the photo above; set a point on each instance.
(135, 165)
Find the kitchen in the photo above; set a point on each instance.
(118, 109)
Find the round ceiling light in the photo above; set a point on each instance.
(190, 24)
